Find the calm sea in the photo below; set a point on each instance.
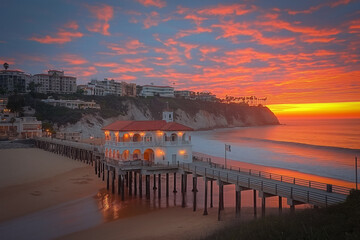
(323, 147)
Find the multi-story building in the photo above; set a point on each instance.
(159, 141)
(55, 82)
(23, 127)
(110, 87)
(186, 94)
(3, 103)
(158, 91)
(13, 81)
(73, 104)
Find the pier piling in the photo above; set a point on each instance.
(167, 185)
(140, 185)
(174, 191)
(194, 192)
(205, 197)
(159, 186)
(255, 207)
(147, 183)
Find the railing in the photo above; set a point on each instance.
(291, 190)
(149, 144)
(283, 178)
(139, 162)
(86, 146)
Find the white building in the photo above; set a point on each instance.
(160, 91)
(110, 87)
(186, 94)
(156, 141)
(24, 127)
(55, 82)
(73, 104)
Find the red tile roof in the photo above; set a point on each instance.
(156, 125)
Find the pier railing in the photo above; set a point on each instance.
(275, 187)
(283, 178)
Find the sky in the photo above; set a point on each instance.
(292, 52)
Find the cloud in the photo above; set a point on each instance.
(130, 47)
(72, 25)
(222, 10)
(103, 13)
(81, 71)
(153, 3)
(73, 59)
(61, 37)
(152, 19)
(317, 7)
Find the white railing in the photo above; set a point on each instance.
(289, 190)
(149, 144)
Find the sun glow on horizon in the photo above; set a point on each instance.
(318, 110)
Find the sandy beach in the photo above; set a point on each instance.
(33, 181)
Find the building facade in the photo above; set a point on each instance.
(109, 87)
(73, 104)
(158, 141)
(13, 81)
(55, 82)
(23, 127)
(157, 91)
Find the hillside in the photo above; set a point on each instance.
(195, 114)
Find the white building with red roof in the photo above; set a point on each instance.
(158, 141)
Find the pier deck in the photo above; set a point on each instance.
(131, 173)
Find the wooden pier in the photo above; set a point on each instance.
(128, 176)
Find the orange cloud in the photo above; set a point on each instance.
(61, 37)
(152, 19)
(154, 3)
(72, 25)
(104, 14)
(81, 71)
(73, 59)
(130, 47)
(7, 60)
(221, 10)
(317, 7)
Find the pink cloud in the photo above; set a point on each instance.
(73, 59)
(152, 19)
(61, 37)
(130, 47)
(317, 7)
(103, 14)
(153, 3)
(72, 25)
(81, 71)
(221, 10)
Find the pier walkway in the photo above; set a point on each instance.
(129, 176)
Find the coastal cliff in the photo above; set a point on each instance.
(199, 115)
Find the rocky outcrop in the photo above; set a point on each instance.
(195, 114)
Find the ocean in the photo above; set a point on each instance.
(321, 147)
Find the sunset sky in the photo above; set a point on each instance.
(292, 52)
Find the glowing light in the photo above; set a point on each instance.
(337, 109)
(182, 152)
(142, 134)
(180, 134)
(160, 133)
(131, 134)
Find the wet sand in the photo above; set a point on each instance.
(32, 179)
(35, 182)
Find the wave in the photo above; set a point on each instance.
(300, 144)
